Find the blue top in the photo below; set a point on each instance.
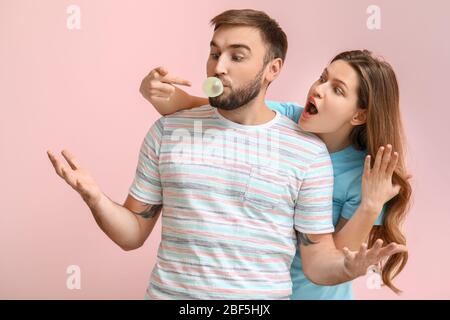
(348, 167)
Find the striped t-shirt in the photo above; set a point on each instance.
(233, 196)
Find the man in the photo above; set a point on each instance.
(231, 209)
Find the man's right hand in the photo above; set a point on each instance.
(128, 225)
(158, 85)
(77, 177)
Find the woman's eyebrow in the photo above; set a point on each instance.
(340, 81)
(336, 79)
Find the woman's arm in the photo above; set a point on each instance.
(291, 110)
(158, 88)
(377, 189)
(351, 233)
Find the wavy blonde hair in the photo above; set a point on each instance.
(378, 93)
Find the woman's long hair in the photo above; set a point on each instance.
(378, 93)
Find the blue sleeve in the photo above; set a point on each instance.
(353, 200)
(291, 110)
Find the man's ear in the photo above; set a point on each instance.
(360, 117)
(273, 69)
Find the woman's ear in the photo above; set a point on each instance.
(360, 117)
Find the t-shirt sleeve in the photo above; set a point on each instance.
(353, 200)
(291, 110)
(146, 186)
(313, 209)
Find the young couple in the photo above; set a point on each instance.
(241, 224)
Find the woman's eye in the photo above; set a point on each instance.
(321, 79)
(214, 55)
(237, 58)
(338, 91)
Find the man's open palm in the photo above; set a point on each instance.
(77, 177)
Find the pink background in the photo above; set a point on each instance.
(78, 89)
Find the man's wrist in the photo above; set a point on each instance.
(96, 204)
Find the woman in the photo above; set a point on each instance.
(354, 108)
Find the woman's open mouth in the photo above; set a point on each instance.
(311, 107)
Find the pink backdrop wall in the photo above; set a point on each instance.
(78, 89)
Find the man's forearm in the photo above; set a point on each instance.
(326, 268)
(323, 264)
(118, 223)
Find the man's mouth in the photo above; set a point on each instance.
(224, 82)
(311, 107)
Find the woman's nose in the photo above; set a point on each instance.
(318, 91)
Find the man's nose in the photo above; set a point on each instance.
(220, 67)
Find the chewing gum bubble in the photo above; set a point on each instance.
(212, 87)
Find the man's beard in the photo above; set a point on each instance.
(239, 97)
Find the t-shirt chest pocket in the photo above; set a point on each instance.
(265, 188)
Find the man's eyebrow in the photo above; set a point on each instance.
(240, 46)
(233, 46)
(335, 79)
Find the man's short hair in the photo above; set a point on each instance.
(270, 30)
